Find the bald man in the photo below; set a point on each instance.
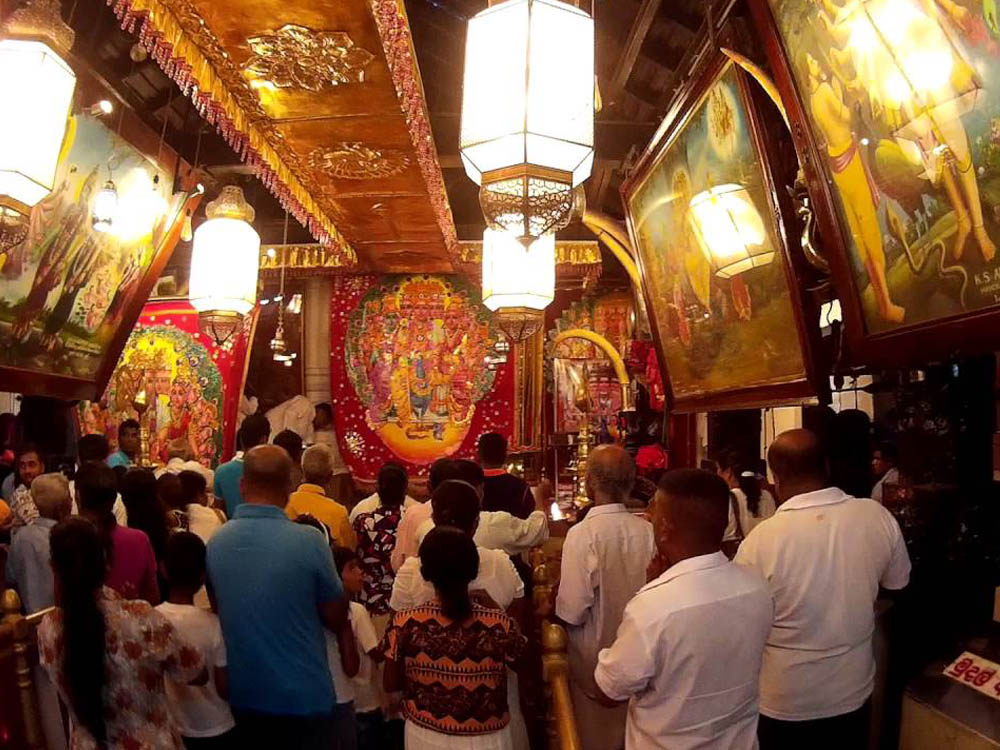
(276, 588)
(824, 554)
(604, 563)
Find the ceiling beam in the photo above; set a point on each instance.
(630, 50)
(664, 54)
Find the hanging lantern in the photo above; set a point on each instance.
(38, 89)
(518, 282)
(730, 231)
(527, 135)
(224, 264)
(105, 207)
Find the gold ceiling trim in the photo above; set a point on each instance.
(568, 252)
(178, 39)
(302, 257)
(356, 161)
(297, 57)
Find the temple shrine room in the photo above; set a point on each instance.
(499, 375)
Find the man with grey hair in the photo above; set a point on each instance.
(311, 499)
(604, 564)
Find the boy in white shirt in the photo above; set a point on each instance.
(201, 714)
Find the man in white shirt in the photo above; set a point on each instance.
(604, 563)
(824, 554)
(884, 466)
(688, 652)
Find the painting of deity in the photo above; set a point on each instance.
(183, 387)
(901, 101)
(718, 330)
(66, 289)
(414, 353)
(605, 397)
(609, 315)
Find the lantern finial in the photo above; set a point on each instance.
(40, 20)
(231, 204)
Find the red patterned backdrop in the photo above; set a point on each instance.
(407, 374)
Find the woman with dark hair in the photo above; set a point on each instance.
(140, 492)
(108, 656)
(749, 503)
(446, 705)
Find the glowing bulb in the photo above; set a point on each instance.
(105, 207)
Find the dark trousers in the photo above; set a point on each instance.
(287, 732)
(345, 726)
(844, 732)
(225, 741)
(371, 727)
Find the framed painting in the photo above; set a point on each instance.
(704, 218)
(895, 114)
(70, 294)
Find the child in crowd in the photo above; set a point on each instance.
(195, 514)
(201, 713)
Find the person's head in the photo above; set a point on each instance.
(450, 561)
(178, 448)
(29, 463)
(267, 476)
(137, 487)
(728, 467)
(307, 519)
(93, 448)
(391, 485)
(441, 470)
(128, 437)
(610, 474)
(690, 513)
(291, 441)
(78, 568)
(50, 493)
(185, 564)
(456, 503)
(883, 459)
(96, 488)
(708, 464)
(349, 569)
(492, 450)
(317, 465)
(471, 472)
(194, 488)
(170, 492)
(323, 420)
(799, 464)
(254, 431)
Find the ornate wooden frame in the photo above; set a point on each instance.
(966, 333)
(710, 66)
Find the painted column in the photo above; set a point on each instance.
(316, 338)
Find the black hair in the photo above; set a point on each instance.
(456, 503)
(468, 471)
(193, 484)
(493, 449)
(291, 441)
(342, 556)
(391, 484)
(127, 424)
(449, 560)
(325, 407)
(141, 495)
(185, 560)
(888, 451)
(309, 520)
(705, 498)
(78, 563)
(24, 448)
(93, 447)
(441, 470)
(254, 431)
(707, 464)
(97, 485)
(748, 482)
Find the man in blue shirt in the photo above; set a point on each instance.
(128, 445)
(276, 588)
(254, 431)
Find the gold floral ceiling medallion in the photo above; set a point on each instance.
(356, 161)
(295, 57)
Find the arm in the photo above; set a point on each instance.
(149, 588)
(333, 614)
(349, 659)
(393, 676)
(221, 675)
(625, 669)
(576, 584)
(330, 599)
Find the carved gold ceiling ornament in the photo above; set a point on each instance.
(568, 252)
(349, 160)
(297, 57)
(303, 259)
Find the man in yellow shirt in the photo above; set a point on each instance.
(311, 499)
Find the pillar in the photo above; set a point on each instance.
(316, 338)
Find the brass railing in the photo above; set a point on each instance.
(562, 730)
(19, 631)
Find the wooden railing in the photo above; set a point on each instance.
(562, 730)
(17, 649)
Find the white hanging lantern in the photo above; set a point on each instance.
(730, 230)
(37, 89)
(527, 135)
(105, 207)
(224, 264)
(518, 281)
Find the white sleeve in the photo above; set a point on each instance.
(576, 584)
(897, 572)
(519, 534)
(405, 586)
(731, 526)
(512, 578)
(364, 631)
(625, 669)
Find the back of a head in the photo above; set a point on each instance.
(610, 473)
(138, 487)
(50, 493)
(291, 441)
(267, 475)
(699, 503)
(93, 447)
(441, 470)
(185, 561)
(170, 492)
(178, 448)
(254, 431)
(492, 449)
(97, 485)
(798, 456)
(468, 471)
(391, 484)
(450, 561)
(193, 487)
(317, 464)
(456, 503)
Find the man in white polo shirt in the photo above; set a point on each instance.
(687, 655)
(824, 554)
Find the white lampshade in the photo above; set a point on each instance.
(730, 230)
(515, 276)
(105, 207)
(36, 88)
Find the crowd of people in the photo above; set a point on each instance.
(253, 607)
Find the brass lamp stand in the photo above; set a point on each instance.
(141, 405)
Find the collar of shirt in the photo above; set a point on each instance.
(828, 496)
(494, 472)
(600, 510)
(253, 510)
(690, 565)
(313, 489)
(238, 456)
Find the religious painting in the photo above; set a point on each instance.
(66, 289)
(610, 315)
(415, 352)
(699, 208)
(901, 116)
(605, 397)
